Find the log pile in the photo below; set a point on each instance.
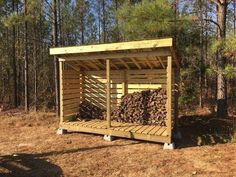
(89, 111)
(146, 107)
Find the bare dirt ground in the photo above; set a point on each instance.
(29, 147)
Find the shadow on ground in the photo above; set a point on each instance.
(37, 165)
(28, 165)
(205, 130)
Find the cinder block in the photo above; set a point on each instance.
(61, 131)
(169, 146)
(108, 138)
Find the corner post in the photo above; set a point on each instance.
(61, 68)
(169, 98)
(108, 75)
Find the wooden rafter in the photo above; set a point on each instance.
(112, 64)
(101, 64)
(148, 63)
(160, 61)
(73, 66)
(125, 64)
(93, 65)
(81, 64)
(136, 63)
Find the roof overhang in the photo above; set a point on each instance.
(158, 49)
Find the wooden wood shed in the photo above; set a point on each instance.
(102, 73)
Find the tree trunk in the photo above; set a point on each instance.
(221, 80)
(99, 21)
(104, 21)
(56, 63)
(35, 69)
(234, 16)
(26, 62)
(14, 68)
(201, 55)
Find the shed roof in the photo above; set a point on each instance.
(125, 55)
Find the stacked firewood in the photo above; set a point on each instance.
(146, 107)
(89, 111)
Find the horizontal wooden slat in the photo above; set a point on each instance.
(70, 101)
(69, 96)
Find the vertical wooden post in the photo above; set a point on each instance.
(169, 97)
(108, 75)
(61, 67)
(124, 83)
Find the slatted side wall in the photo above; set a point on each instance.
(71, 92)
(95, 87)
(122, 82)
(139, 80)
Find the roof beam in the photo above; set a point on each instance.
(160, 52)
(146, 44)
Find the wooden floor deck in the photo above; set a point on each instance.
(126, 130)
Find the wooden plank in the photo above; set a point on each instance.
(146, 81)
(70, 86)
(67, 102)
(135, 62)
(130, 128)
(71, 81)
(134, 45)
(111, 132)
(160, 61)
(116, 125)
(71, 111)
(108, 97)
(159, 52)
(164, 133)
(136, 128)
(102, 125)
(124, 63)
(76, 68)
(160, 131)
(71, 106)
(90, 123)
(95, 124)
(70, 96)
(124, 126)
(61, 91)
(120, 126)
(72, 91)
(149, 129)
(142, 129)
(153, 131)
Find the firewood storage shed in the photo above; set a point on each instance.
(101, 74)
